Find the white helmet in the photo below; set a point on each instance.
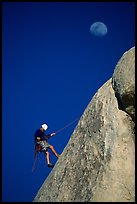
(44, 126)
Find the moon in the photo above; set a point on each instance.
(98, 29)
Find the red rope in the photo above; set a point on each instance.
(35, 161)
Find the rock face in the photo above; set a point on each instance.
(98, 163)
(123, 81)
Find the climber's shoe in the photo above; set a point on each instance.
(50, 165)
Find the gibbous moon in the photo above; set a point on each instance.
(98, 29)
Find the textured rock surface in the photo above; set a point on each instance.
(123, 81)
(98, 163)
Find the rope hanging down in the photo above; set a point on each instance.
(66, 126)
(36, 158)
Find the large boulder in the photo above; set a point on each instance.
(98, 163)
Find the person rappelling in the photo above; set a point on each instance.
(42, 145)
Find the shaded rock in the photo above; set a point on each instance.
(123, 81)
(98, 163)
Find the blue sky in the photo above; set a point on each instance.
(51, 68)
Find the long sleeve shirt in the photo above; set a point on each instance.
(42, 135)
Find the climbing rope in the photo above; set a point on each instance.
(36, 159)
(66, 126)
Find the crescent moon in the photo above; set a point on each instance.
(98, 29)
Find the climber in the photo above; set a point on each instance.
(42, 145)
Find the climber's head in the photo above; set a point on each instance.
(44, 127)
